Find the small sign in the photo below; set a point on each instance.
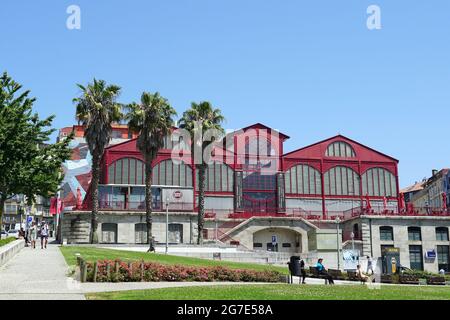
(29, 219)
(274, 239)
(430, 254)
(177, 194)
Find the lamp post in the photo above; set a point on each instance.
(352, 235)
(338, 220)
(167, 225)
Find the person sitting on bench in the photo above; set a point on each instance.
(361, 275)
(323, 272)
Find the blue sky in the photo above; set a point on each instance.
(311, 69)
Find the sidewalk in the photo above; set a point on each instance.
(37, 274)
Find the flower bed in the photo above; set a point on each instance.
(119, 271)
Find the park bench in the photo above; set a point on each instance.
(408, 279)
(336, 274)
(352, 276)
(315, 274)
(386, 278)
(436, 280)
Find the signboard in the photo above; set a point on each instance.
(274, 239)
(351, 259)
(29, 219)
(430, 254)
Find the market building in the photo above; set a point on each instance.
(317, 201)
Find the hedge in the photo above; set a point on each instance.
(6, 241)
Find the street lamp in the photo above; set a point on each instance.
(352, 235)
(338, 220)
(167, 225)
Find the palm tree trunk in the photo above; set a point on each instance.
(148, 204)
(201, 202)
(94, 193)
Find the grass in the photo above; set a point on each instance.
(93, 254)
(6, 241)
(280, 292)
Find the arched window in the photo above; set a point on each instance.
(168, 173)
(341, 181)
(303, 179)
(340, 149)
(219, 178)
(379, 182)
(386, 233)
(126, 171)
(131, 171)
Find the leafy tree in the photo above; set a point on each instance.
(152, 120)
(198, 120)
(28, 165)
(97, 109)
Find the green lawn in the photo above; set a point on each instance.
(93, 254)
(281, 292)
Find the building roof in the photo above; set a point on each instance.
(340, 137)
(414, 188)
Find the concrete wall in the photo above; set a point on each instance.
(10, 250)
(76, 226)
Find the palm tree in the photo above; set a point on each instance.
(201, 117)
(152, 121)
(97, 110)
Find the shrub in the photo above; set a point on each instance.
(154, 272)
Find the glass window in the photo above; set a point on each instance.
(132, 171)
(337, 179)
(386, 234)
(415, 257)
(126, 171)
(219, 178)
(414, 234)
(340, 149)
(442, 234)
(443, 258)
(379, 182)
(295, 179)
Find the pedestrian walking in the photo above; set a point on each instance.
(44, 235)
(302, 271)
(32, 235)
(369, 265)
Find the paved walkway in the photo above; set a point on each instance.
(37, 274)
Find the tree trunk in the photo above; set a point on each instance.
(201, 202)
(2, 207)
(148, 204)
(94, 193)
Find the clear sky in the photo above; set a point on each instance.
(311, 69)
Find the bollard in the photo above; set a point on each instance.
(108, 271)
(142, 270)
(95, 271)
(130, 269)
(83, 270)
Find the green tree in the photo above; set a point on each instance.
(198, 120)
(97, 110)
(28, 165)
(152, 121)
